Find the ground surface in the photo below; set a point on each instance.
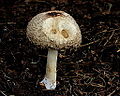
(91, 70)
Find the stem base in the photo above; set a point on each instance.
(48, 83)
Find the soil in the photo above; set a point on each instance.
(93, 69)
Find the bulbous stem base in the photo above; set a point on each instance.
(48, 83)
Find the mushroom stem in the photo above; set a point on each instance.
(50, 77)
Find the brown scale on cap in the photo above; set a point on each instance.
(54, 14)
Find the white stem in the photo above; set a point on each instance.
(50, 78)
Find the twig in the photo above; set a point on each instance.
(93, 42)
(109, 38)
(3, 93)
(111, 94)
(102, 80)
(9, 23)
(90, 43)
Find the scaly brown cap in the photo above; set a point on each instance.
(54, 29)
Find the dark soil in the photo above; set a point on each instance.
(91, 70)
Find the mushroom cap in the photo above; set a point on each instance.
(54, 29)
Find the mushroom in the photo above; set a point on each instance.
(54, 30)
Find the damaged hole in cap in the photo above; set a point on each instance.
(65, 33)
(54, 14)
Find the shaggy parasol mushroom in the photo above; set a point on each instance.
(53, 30)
